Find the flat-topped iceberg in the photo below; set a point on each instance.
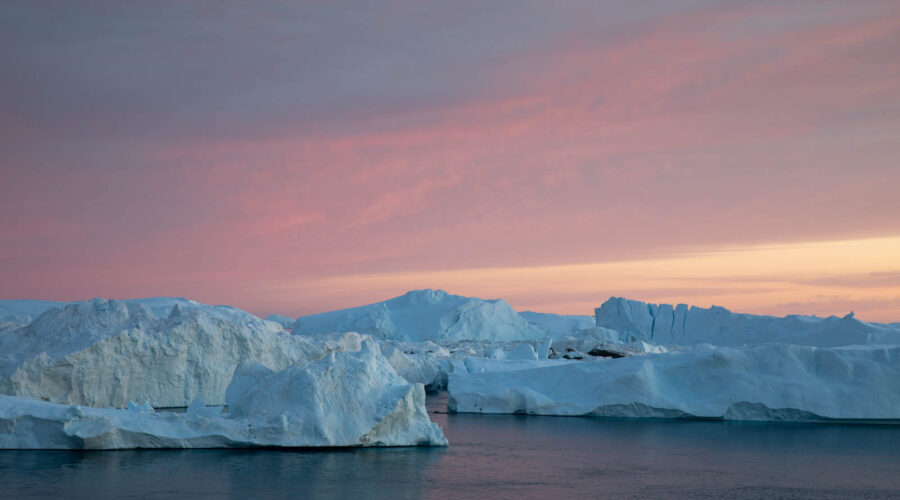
(683, 325)
(770, 382)
(426, 315)
(343, 399)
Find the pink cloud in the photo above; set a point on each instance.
(721, 125)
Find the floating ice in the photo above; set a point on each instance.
(345, 399)
(683, 325)
(169, 362)
(770, 382)
(426, 315)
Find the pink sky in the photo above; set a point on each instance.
(296, 159)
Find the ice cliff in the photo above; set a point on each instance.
(769, 382)
(344, 399)
(683, 325)
(130, 356)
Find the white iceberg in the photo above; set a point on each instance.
(770, 382)
(58, 332)
(416, 366)
(167, 363)
(345, 399)
(426, 315)
(683, 325)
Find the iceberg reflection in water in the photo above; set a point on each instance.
(501, 456)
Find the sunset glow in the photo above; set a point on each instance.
(743, 154)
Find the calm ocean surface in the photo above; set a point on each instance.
(500, 456)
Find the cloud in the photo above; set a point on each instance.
(190, 149)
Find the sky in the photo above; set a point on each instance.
(298, 157)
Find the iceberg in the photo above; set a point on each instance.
(285, 321)
(683, 325)
(22, 312)
(422, 315)
(344, 399)
(559, 325)
(58, 332)
(161, 307)
(168, 363)
(768, 382)
(25, 311)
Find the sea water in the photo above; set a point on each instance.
(500, 456)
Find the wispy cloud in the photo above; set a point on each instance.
(201, 150)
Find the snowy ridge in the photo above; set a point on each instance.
(347, 399)
(426, 315)
(683, 325)
(771, 382)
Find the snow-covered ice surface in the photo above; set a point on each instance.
(422, 315)
(683, 325)
(161, 307)
(344, 399)
(127, 355)
(767, 382)
(23, 312)
(58, 332)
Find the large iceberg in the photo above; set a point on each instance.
(426, 315)
(768, 382)
(345, 399)
(167, 363)
(683, 325)
(58, 332)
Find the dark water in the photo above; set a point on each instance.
(494, 456)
